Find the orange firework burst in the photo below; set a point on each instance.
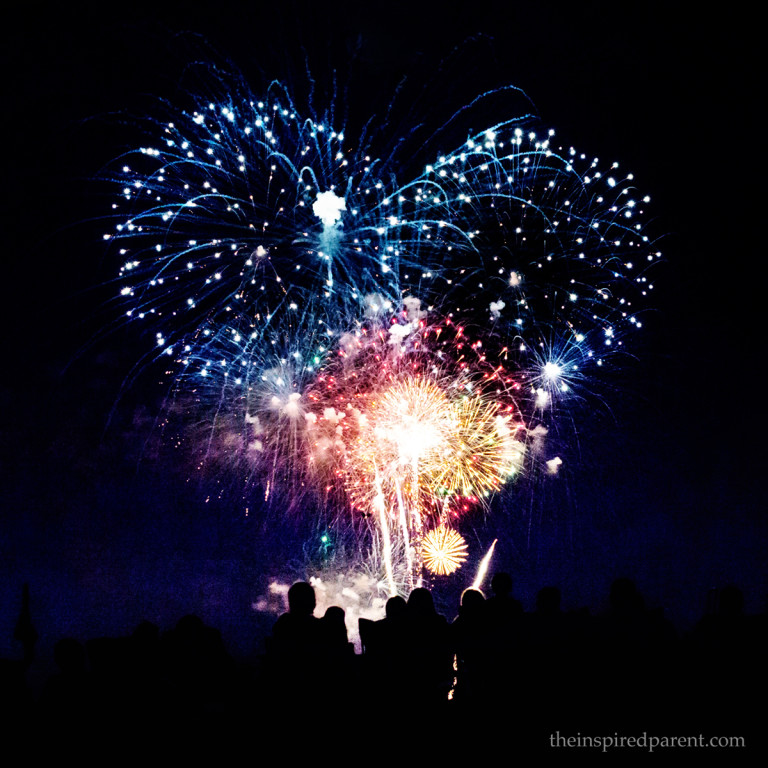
(443, 550)
(481, 450)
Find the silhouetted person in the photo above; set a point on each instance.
(392, 629)
(728, 676)
(504, 614)
(544, 632)
(15, 698)
(429, 656)
(334, 630)
(385, 654)
(145, 649)
(298, 632)
(472, 613)
(197, 666)
(623, 685)
(503, 610)
(470, 643)
(337, 661)
(725, 632)
(297, 649)
(624, 625)
(545, 648)
(545, 628)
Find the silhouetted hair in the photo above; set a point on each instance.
(420, 602)
(396, 607)
(472, 598)
(301, 598)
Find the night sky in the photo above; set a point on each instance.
(668, 483)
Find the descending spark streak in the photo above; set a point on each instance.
(386, 548)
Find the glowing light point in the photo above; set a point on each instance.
(496, 307)
(553, 465)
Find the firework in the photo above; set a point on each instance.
(243, 218)
(482, 569)
(391, 343)
(416, 427)
(444, 551)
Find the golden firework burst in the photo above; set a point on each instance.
(480, 452)
(444, 550)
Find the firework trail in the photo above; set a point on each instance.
(390, 343)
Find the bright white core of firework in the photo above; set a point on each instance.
(328, 207)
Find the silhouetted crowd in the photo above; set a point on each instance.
(624, 668)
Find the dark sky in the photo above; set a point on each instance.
(673, 95)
